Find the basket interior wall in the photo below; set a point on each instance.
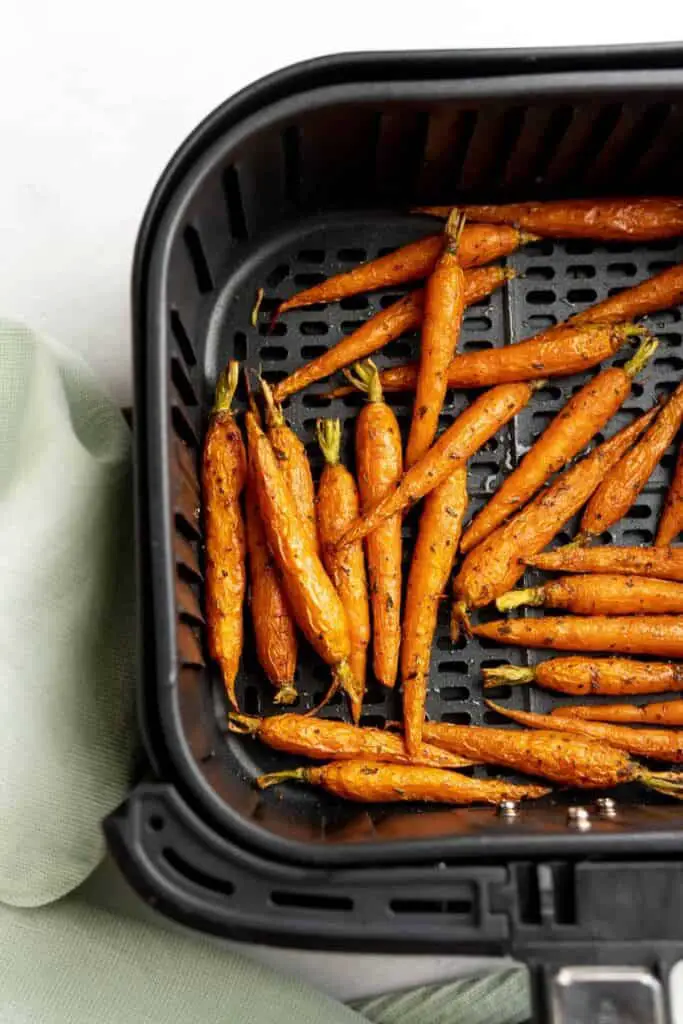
(310, 196)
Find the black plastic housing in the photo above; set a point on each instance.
(301, 175)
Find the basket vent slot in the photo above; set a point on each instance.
(459, 907)
(193, 874)
(200, 264)
(311, 901)
(233, 200)
(182, 339)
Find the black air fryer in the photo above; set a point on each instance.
(298, 177)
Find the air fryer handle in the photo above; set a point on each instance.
(605, 993)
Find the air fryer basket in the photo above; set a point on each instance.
(300, 177)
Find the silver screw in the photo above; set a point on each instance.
(578, 817)
(508, 809)
(607, 807)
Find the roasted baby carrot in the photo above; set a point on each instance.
(372, 782)
(563, 350)
(435, 548)
(495, 565)
(322, 739)
(472, 429)
(402, 316)
(626, 479)
(311, 596)
(657, 635)
(444, 304)
(665, 712)
(606, 220)
(379, 463)
(479, 244)
(671, 519)
(600, 595)
(658, 563)
(661, 744)
(224, 471)
(617, 677)
(661, 291)
(274, 629)
(294, 465)
(582, 417)
(337, 507)
(558, 756)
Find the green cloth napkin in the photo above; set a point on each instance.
(67, 613)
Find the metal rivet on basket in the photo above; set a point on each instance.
(578, 817)
(607, 807)
(508, 809)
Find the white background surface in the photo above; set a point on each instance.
(94, 99)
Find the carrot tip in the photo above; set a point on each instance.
(669, 783)
(460, 620)
(274, 416)
(328, 433)
(226, 387)
(646, 350)
(245, 725)
(257, 306)
(532, 596)
(275, 778)
(365, 377)
(286, 694)
(453, 229)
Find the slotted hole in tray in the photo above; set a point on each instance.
(561, 271)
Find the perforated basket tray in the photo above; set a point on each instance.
(289, 183)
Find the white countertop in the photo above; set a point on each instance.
(95, 99)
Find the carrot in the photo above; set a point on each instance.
(337, 507)
(625, 480)
(444, 305)
(479, 244)
(661, 291)
(402, 316)
(274, 630)
(495, 565)
(472, 429)
(224, 471)
(371, 782)
(661, 744)
(313, 601)
(618, 677)
(322, 739)
(293, 462)
(558, 756)
(666, 712)
(571, 430)
(658, 635)
(600, 595)
(559, 352)
(435, 548)
(671, 519)
(658, 563)
(606, 220)
(379, 462)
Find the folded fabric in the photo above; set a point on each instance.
(67, 613)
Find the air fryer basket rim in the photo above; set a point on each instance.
(216, 134)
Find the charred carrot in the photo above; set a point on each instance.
(657, 635)
(337, 507)
(402, 316)
(658, 563)
(322, 739)
(224, 471)
(379, 462)
(600, 595)
(472, 429)
(617, 677)
(372, 782)
(435, 548)
(661, 744)
(671, 519)
(665, 712)
(571, 430)
(311, 596)
(626, 479)
(661, 291)
(274, 629)
(562, 351)
(558, 756)
(606, 220)
(293, 462)
(444, 304)
(495, 565)
(479, 244)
